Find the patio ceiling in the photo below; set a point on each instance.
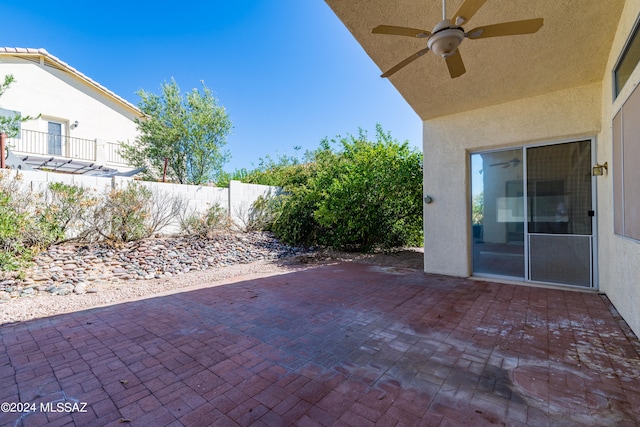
(570, 50)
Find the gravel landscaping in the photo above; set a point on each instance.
(72, 277)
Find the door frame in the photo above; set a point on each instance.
(64, 133)
(594, 229)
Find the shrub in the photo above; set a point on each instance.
(165, 208)
(295, 223)
(14, 250)
(122, 215)
(364, 196)
(25, 227)
(206, 223)
(67, 209)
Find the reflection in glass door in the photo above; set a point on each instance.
(498, 213)
(553, 242)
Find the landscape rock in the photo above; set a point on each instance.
(67, 269)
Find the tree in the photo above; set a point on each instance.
(10, 125)
(365, 195)
(188, 131)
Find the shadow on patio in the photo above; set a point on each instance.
(345, 344)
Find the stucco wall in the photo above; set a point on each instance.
(41, 89)
(448, 140)
(584, 111)
(618, 256)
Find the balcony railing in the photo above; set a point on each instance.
(113, 154)
(43, 144)
(48, 144)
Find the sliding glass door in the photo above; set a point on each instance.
(498, 213)
(553, 242)
(560, 229)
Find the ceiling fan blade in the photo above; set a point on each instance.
(528, 26)
(455, 64)
(400, 31)
(406, 62)
(466, 11)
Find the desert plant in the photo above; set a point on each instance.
(165, 208)
(122, 215)
(24, 230)
(206, 223)
(14, 250)
(67, 209)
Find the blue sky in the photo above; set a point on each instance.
(287, 71)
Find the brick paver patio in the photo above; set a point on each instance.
(346, 344)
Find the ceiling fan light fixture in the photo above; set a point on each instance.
(445, 38)
(445, 42)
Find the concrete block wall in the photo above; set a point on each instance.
(242, 196)
(236, 200)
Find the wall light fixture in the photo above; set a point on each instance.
(599, 170)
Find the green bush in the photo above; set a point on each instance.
(365, 195)
(14, 251)
(67, 210)
(295, 223)
(27, 225)
(263, 213)
(284, 171)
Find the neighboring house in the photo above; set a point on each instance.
(80, 123)
(525, 126)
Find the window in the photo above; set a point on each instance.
(628, 61)
(626, 174)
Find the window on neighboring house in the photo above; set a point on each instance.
(628, 60)
(626, 174)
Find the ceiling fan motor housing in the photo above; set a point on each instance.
(445, 38)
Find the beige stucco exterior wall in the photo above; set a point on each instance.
(448, 140)
(618, 256)
(584, 111)
(60, 96)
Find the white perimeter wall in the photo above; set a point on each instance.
(236, 200)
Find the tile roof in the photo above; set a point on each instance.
(56, 62)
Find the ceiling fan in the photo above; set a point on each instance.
(447, 35)
(513, 162)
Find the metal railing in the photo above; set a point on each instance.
(45, 144)
(113, 154)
